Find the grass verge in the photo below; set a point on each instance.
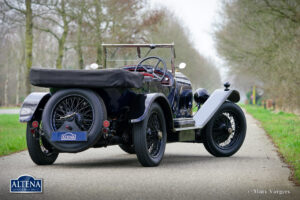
(13, 107)
(284, 130)
(12, 134)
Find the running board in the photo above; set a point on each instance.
(185, 129)
(188, 128)
(183, 124)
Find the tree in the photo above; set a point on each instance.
(57, 19)
(79, 17)
(28, 37)
(69, 34)
(110, 21)
(260, 39)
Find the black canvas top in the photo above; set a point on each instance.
(109, 78)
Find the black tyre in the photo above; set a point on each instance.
(150, 136)
(40, 151)
(225, 133)
(78, 110)
(127, 148)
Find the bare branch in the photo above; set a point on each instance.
(14, 8)
(276, 10)
(47, 30)
(51, 20)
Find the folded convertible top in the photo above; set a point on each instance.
(109, 78)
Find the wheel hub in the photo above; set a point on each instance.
(160, 135)
(224, 130)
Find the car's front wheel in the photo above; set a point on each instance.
(150, 137)
(225, 133)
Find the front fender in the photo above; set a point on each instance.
(31, 103)
(212, 104)
(144, 103)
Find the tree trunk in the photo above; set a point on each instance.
(99, 53)
(61, 47)
(98, 32)
(28, 48)
(62, 40)
(79, 41)
(20, 70)
(6, 88)
(18, 85)
(60, 54)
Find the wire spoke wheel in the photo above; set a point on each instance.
(150, 137)
(226, 130)
(76, 110)
(153, 135)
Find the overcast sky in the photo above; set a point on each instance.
(199, 16)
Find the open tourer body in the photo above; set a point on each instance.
(136, 100)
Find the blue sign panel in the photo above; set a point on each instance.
(26, 184)
(69, 136)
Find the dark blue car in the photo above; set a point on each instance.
(136, 100)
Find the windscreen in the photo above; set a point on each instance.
(119, 57)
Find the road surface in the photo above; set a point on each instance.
(10, 111)
(187, 172)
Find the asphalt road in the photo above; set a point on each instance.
(187, 172)
(10, 111)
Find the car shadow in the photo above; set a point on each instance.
(130, 161)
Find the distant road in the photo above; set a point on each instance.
(187, 172)
(10, 111)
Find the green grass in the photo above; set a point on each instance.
(12, 134)
(284, 129)
(12, 107)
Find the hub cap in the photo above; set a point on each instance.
(225, 130)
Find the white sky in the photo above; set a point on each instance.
(199, 16)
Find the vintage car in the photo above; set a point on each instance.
(136, 100)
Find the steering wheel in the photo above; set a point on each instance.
(152, 70)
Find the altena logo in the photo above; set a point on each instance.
(68, 137)
(26, 184)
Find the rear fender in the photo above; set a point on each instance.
(31, 104)
(212, 104)
(144, 102)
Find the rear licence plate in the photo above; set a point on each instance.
(69, 136)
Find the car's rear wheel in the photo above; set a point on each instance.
(150, 137)
(225, 133)
(40, 151)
